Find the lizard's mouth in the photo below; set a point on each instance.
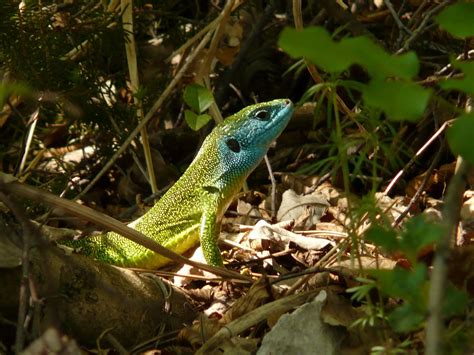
(279, 122)
(289, 107)
(283, 116)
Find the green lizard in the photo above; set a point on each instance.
(192, 209)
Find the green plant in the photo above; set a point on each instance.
(389, 97)
(199, 99)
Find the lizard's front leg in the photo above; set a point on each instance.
(209, 234)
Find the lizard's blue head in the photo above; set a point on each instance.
(244, 138)
(257, 126)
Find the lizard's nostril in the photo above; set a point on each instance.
(287, 102)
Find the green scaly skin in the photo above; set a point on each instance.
(191, 210)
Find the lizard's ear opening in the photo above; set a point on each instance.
(233, 145)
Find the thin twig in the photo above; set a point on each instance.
(208, 64)
(158, 103)
(422, 27)
(417, 12)
(128, 213)
(321, 263)
(394, 14)
(29, 139)
(273, 182)
(208, 28)
(421, 188)
(206, 68)
(223, 85)
(127, 23)
(82, 48)
(24, 293)
(413, 159)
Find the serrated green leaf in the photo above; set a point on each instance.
(399, 100)
(198, 97)
(458, 19)
(196, 121)
(377, 61)
(316, 45)
(461, 135)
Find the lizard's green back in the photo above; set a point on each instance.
(193, 207)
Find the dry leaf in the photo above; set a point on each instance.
(303, 332)
(283, 237)
(306, 210)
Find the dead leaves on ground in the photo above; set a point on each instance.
(281, 254)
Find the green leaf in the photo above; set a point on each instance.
(385, 238)
(461, 135)
(377, 61)
(399, 100)
(465, 84)
(455, 302)
(361, 291)
(418, 233)
(140, 94)
(410, 286)
(198, 97)
(195, 121)
(458, 19)
(317, 46)
(12, 88)
(406, 318)
(313, 90)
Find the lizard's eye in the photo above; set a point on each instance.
(262, 115)
(233, 145)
